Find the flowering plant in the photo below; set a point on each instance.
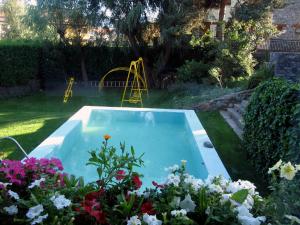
(36, 191)
(283, 203)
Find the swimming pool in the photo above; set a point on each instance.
(164, 136)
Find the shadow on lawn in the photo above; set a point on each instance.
(29, 140)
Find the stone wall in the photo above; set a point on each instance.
(225, 101)
(286, 64)
(287, 20)
(7, 92)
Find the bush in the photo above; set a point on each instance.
(262, 74)
(19, 63)
(196, 71)
(272, 124)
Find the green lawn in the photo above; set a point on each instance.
(31, 119)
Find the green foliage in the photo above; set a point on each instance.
(250, 26)
(14, 13)
(263, 73)
(216, 73)
(19, 63)
(271, 124)
(240, 196)
(109, 162)
(235, 53)
(193, 71)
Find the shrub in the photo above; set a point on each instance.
(193, 70)
(272, 124)
(19, 63)
(262, 74)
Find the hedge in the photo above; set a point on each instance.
(24, 61)
(272, 124)
(19, 63)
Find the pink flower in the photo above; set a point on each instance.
(31, 163)
(120, 175)
(57, 163)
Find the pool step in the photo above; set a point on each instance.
(234, 117)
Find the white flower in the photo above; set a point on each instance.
(195, 183)
(36, 183)
(246, 218)
(172, 168)
(134, 220)
(151, 220)
(275, 167)
(13, 195)
(173, 179)
(138, 193)
(35, 211)
(5, 184)
(180, 213)
(11, 210)
(243, 211)
(209, 180)
(188, 204)
(183, 162)
(215, 188)
(293, 219)
(60, 201)
(225, 198)
(288, 171)
(297, 167)
(39, 219)
(236, 186)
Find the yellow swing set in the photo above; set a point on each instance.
(136, 82)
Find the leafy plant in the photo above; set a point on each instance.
(114, 168)
(262, 74)
(272, 123)
(216, 73)
(196, 71)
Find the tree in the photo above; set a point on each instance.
(131, 18)
(71, 20)
(14, 12)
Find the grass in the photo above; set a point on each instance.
(31, 119)
(230, 149)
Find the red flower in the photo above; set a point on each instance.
(158, 185)
(94, 195)
(99, 216)
(137, 182)
(93, 207)
(120, 175)
(147, 207)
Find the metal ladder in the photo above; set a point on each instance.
(17, 143)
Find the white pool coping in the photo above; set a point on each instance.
(210, 156)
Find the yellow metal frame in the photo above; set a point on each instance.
(139, 82)
(68, 91)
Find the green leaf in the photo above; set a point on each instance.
(240, 196)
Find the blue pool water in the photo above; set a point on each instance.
(165, 138)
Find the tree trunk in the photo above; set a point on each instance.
(134, 45)
(220, 26)
(164, 60)
(83, 67)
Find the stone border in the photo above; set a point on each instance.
(224, 102)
